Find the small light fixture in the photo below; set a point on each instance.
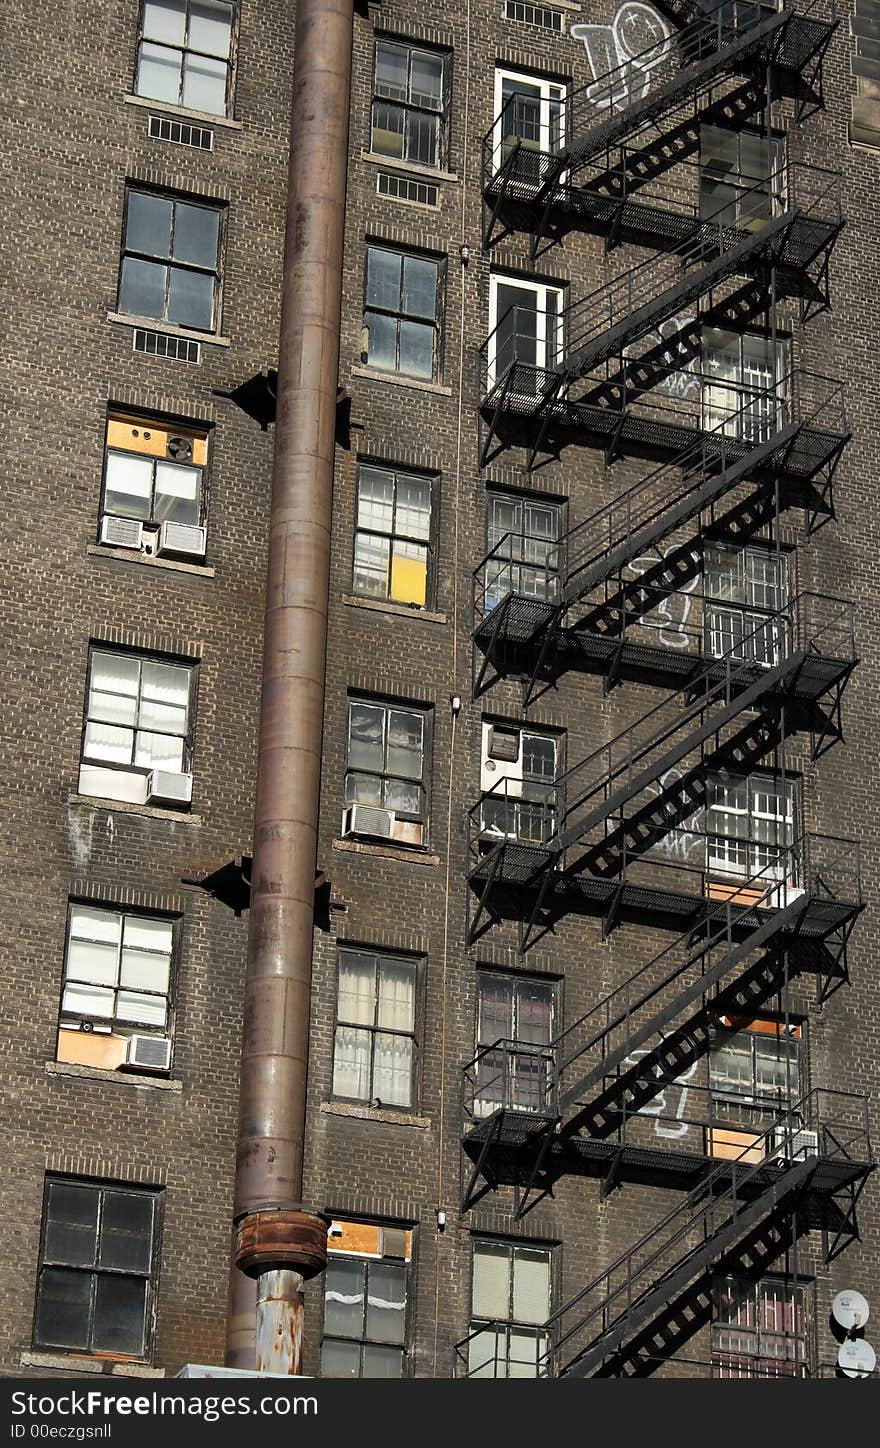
(455, 703)
(464, 252)
(441, 1219)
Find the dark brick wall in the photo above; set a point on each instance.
(75, 142)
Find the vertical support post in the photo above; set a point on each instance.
(275, 1235)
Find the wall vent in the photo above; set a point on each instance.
(540, 15)
(158, 344)
(401, 188)
(181, 133)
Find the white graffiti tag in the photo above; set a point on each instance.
(669, 1121)
(680, 842)
(670, 616)
(682, 382)
(624, 55)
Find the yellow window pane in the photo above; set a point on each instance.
(409, 580)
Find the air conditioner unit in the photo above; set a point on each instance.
(367, 819)
(122, 532)
(792, 1143)
(501, 760)
(182, 538)
(164, 787)
(149, 1053)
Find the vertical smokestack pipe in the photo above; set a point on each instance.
(275, 1234)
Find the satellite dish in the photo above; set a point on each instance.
(850, 1310)
(856, 1358)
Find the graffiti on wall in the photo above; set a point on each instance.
(624, 55)
(669, 619)
(669, 1105)
(683, 382)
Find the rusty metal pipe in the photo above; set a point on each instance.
(279, 1322)
(269, 1158)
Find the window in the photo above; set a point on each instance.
(170, 262)
(138, 721)
(741, 384)
(184, 53)
(97, 1268)
(374, 1051)
(393, 535)
(523, 539)
(754, 1070)
(519, 1010)
(154, 474)
(524, 330)
(740, 177)
(117, 978)
(759, 1329)
(510, 1302)
(518, 774)
(750, 823)
(401, 316)
(746, 589)
(386, 771)
(529, 123)
(365, 1296)
(409, 103)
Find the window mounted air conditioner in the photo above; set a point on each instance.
(182, 538)
(163, 787)
(792, 1143)
(501, 760)
(122, 532)
(149, 1053)
(368, 819)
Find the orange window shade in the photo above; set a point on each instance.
(730, 1145)
(137, 434)
(409, 580)
(761, 1026)
(363, 1238)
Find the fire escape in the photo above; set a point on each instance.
(592, 374)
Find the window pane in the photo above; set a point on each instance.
(148, 224)
(391, 68)
(423, 144)
(128, 485)
(210, 27)
(63, 1309)
(191, 299)
(487, 1353)
(196, 230)
(88, 1000)
(363, 789)
(525, 1350)
(383, 279)
(382, 1362)
(88, 924)
(405, 743)
(426, 80)
(71, 1209)
(178, 494)
(413, 507)
(127, 1231)
(351, 1064)
(386, 1302)
(389, 126)
(146, 934)
(115, 674)
(366, 727)
(371, 559)
(344, 1297)
(89, 961)
(143, 971)
(141, 1010)
(142, 288)
(396, 1007)
(416, 349)
(357, 989)
(340, 1359)
(393, 1069)
(159, 751)
(531, 1285)
(103, 741)
(381, 341)
(375, 499)
(166, 682)
(164, 718)
(419, 287)
(494, 1009)
(120, 1305)
(491, 1283)
(402, 797)
(165, 20)
(409, 573)
(158, 73)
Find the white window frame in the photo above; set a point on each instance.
(744, 855)
(550, 91)
(545, 357)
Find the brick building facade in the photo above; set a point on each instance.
(145, 170)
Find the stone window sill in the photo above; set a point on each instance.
(204, 118)
(401, 610)
(388, 852)
(152, 324)
(124, 1078)
(384, 1114)
(131, 555)
(373, 374)
(393, 163)
(121, 806)
(72, 1362)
